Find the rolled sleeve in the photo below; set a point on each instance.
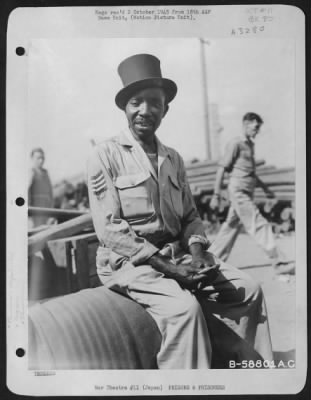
(191, 222)
(113, 231)
(230, 156)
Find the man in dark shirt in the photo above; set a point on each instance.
(40, 192)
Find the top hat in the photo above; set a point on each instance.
(139, 72)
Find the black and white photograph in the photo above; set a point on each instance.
(157, 173)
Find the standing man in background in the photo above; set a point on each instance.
(40, 192)
(239, 161)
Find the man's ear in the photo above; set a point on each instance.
(166, 107)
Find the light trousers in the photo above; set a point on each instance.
(243, 212)
(225, 321)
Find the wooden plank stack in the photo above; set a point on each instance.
(201, 176)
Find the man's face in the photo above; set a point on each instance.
(37, 159)
(251, 128)
(145, 110)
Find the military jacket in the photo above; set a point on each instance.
(136, 210)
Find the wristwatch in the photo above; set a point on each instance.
(199, 239)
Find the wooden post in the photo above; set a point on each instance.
(205, 100)
(82, 264)
(60, 214)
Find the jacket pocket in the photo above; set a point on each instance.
(175, 193)
(134, 195)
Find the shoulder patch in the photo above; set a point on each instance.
(98, 183)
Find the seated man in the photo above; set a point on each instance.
(153, 245)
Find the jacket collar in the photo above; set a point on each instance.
(162, 149)
(126, 139)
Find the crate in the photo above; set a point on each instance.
(64, 266)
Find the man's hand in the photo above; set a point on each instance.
(206, 264)
(202, 259)
(191, 276)
(215, 202)
(188, 275)
(265, 188)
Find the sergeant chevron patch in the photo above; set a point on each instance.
(98, 183)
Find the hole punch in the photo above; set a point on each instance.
(20, 352)
(20, 51)
(20, 201)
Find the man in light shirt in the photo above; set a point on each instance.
(153, 246)
(239, 162)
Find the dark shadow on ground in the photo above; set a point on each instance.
(226, 344)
